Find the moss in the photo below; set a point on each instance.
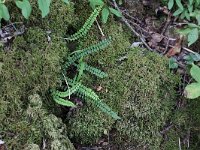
(32, 65)
(185, 126)
(144, 103)
(95, 123)
(61, 16)
(138, 89)
(32, 147)
(33, 126)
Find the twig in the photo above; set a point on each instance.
(166, 24)
(100, 28)
(67, 84)
(186, 49)
(166, 129)
(131, 28)
(167, 46)
(179, 143)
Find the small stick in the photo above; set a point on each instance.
(189, 50)
(67, 84)
(100, 29)
(179, 143)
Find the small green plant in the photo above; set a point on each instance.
(74, 86)
(86, 27)
(191, 58)
(188, 10)
(26, 9)
(106, 11)
(173, 63)
(192, 90)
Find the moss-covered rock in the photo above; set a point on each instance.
(140, 87)
(95, 123)
(150, 96)
(32, 64)
(141, 90)
(35, 125)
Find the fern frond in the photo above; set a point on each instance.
(86, 27)
(87, 51)
(89, 94)
(94, 71)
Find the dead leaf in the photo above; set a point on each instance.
(99, 88)
(176, 49)
(157, 37)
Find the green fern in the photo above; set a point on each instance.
(86, 27)
(87, 51)
(88, 94)
(94, 71)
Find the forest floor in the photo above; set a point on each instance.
(141, 87)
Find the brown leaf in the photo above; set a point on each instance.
(176, 49)
(99, 88)
(157, 37)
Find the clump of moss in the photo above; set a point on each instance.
(32, 65)
(150, 96)
(145, 103)
(96, 123)
(185, 128)
(52, 127)
(141, 90)
(60, 17)
(35, 125)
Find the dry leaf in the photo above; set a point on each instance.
(176, 49)
(156, 37)
(99, 88)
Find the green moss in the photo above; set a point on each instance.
(33, 126)
(141, 90)
(95, 123)
(32, 65)
(185, 126)
(57, 21)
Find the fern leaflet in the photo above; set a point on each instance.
(89, 94)
(63, 102)
(94, 71)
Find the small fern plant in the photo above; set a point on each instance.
(74, 86)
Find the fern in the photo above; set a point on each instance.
(87, 51)
(86, 27)
(88, 94)
(94, 71)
